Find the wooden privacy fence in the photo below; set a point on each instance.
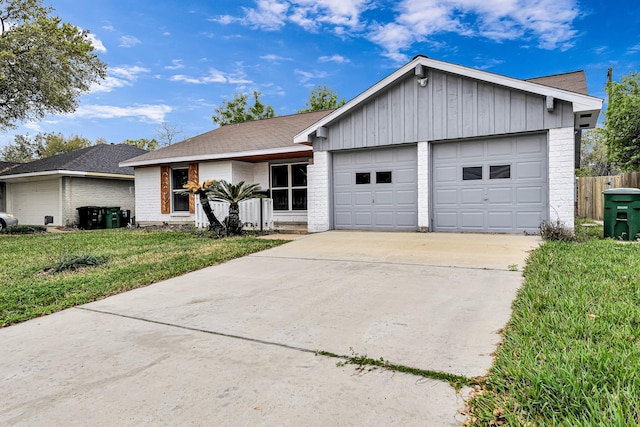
(589, 198)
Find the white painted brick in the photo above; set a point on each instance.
(79, 192)
(318, 193)
(561, 175)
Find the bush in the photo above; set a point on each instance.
(74, 262)
(556, 231)
(24, 229)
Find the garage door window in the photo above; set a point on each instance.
(363, 178)
(289, 187)
(500, 172)
(471, 173)
(179, 178)
(383, 177)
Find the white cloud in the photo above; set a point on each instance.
(146, 113)
(334, 58)
(176, 64)
(97, 44)
(634, 49)
(550, 22)
(129, 41)
(305, 76)
(275, 58)
(214, 76)
(109, 27)
(119, 77)
(312, 15)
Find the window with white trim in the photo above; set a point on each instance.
(179, 200)
(289, 187)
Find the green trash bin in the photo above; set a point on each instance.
(112, 217)
(622, 213)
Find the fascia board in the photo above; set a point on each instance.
(220, 156)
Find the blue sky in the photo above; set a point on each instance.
(176, 61)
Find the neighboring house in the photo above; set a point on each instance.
(4, 166)
(57, 185)
(260, 152)
(441, 147)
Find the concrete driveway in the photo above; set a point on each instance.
(234, 344)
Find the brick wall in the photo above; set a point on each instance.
(423, 186)
(561, 175)
(95, 192)
(318, 180)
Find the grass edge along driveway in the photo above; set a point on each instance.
(571, 351)
(29, 287)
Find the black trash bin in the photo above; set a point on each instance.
(125, 217)
(91, 217)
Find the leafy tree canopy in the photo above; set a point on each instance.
(622, 122)
(26, 149)
(322, 98)
(237, 110)
(144, 143)
(45, 64)
(593, 154)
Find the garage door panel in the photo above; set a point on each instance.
(515, 200)
(530, 170)
(472, 219)
(32, 201)
(503, 195)
(472, 150)
(363, 198)
(406, 198)
(471, 196)
(391, 204)
(528, 195)
(500, 220)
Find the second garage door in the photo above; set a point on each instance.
(496, 185)
(376, 189)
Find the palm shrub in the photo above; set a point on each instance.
(201, 191)
(223, 191)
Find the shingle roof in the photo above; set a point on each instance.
(102, 158)
(6, 165)
(575, 81)
(249, 136)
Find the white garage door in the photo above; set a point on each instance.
(376, 189)
(31, 201)
(497, 185)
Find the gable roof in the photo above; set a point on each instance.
(248, 140)
(574, 81)
(102, 159)
(586, 108)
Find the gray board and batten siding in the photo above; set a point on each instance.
(449, 107)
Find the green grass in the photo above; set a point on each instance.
(571, 352)
(30, 288)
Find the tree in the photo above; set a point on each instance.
(144, 143)
(42, 145)
(622, 122)
(45, 64)
(200, 190)
(237, 111)
(167, 133)
(322, 98)
(223, 191)
(593, 154)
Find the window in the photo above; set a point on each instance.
(500, 172)
(383, 177)
(363, 178)
(471, 173)
(179, 177)
(289, 187)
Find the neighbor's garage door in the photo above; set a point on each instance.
(496, 185)
(31, 201)
(376, 189)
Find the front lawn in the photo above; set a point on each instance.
(30, 287)
(571, 352)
